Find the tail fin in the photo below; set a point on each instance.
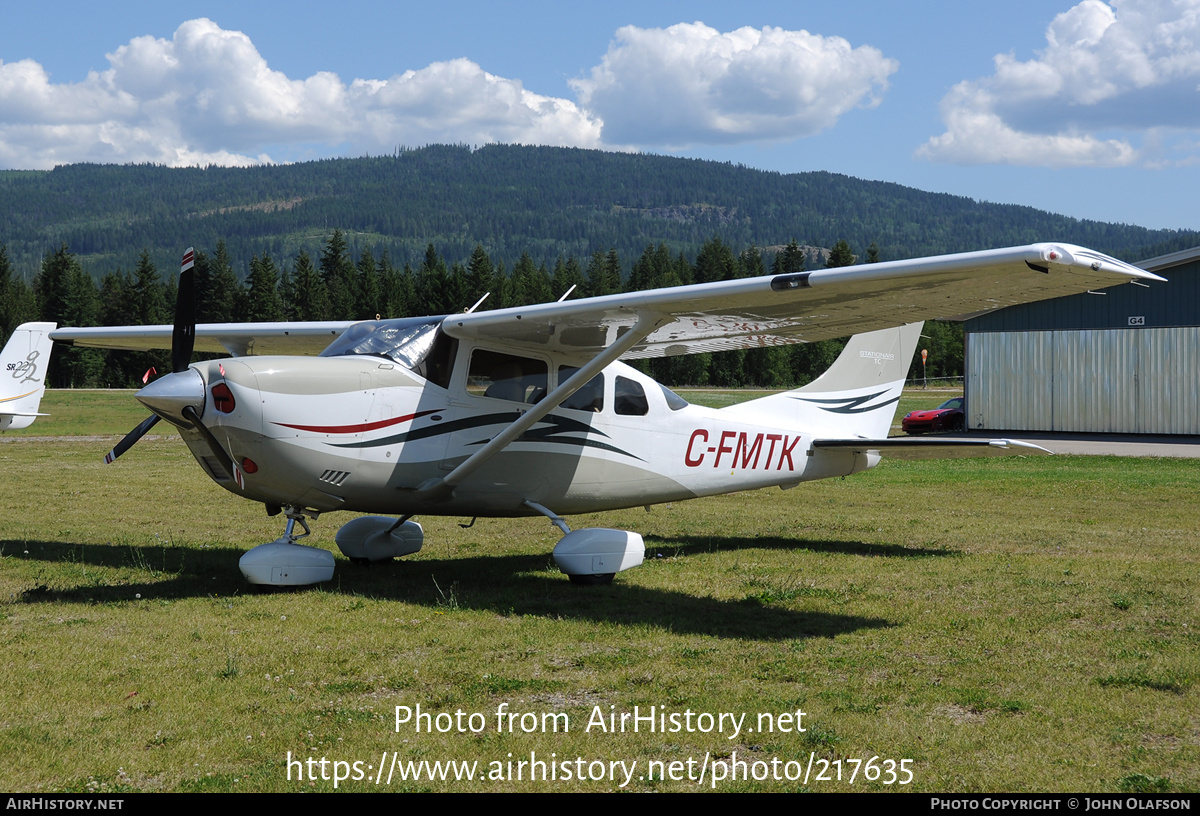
(23, 374)
(856, 397)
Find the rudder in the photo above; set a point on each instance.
(23, 364)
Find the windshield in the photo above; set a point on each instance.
(406, 341)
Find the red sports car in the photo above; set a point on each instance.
(946, 417)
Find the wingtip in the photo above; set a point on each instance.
(1018, 445)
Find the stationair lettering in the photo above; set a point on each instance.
(747, 450)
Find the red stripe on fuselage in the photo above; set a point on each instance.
(366, 426)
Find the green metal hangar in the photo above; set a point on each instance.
(1119, 360)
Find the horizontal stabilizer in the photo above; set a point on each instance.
(901, 448)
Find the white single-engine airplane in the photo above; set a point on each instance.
(525, 411)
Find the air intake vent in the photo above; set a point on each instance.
(335, 477)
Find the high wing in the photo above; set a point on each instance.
(235, 339)
(803, 307)
(765, 311)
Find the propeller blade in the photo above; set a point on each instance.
(183, 338)
(130, 438)
(223, 458)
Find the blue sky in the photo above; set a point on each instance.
(1084, 108)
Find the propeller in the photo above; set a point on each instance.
(183, 341)
(177, 395)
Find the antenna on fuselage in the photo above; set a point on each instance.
(476, 306)
(567, 293)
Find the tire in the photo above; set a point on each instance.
(593, 580)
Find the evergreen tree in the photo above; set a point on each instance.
(566, 275)
(52, 285)
(287, 293)
(261, 303)
(67, 296)
(370, 296)
(397, 288)
(840, 255)
(612, 271)
(116, 304)
(457, 297)
(202, 285)
(17, 304)
(652, 270)
(603, 275)
(479, 276)
(145, 290)
(751, 262)
(432, 281)
(715, 262)
(790, 261)
(530, 284)
(308, 300)
(222, 301)
(341, 278)
(501, 288)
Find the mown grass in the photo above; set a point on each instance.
(1006, 624)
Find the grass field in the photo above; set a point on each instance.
(1004, 624)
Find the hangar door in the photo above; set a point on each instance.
(1096, 380)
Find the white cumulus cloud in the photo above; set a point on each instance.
(207, 96)
(1116, 84)
(690, 83)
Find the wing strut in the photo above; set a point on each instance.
(441, 489)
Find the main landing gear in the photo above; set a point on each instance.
(283, 562)
(590, 557)
(594, 555)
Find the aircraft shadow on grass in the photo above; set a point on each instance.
(505, 585)
(698, 545)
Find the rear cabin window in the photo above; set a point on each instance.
(590, 397)
(507, 377)
(629, 399)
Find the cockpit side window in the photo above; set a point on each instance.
(439, 363)
(629, 399)
(589, 397)
(507, 377)
(674, 401)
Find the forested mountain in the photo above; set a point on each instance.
(509, 199)
(429, 231)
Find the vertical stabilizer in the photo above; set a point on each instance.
(856, 397)
(23, 374)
